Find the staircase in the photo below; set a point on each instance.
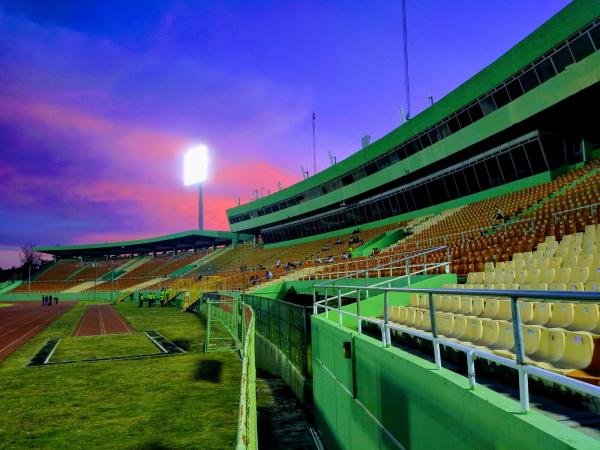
(553, 195)
(294, 275)
(423, 223)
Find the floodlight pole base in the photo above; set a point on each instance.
(200, 208)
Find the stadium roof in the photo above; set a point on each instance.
(178, 241)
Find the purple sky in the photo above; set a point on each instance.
(99, 99)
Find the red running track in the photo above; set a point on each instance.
(101, 320)
(21, 321)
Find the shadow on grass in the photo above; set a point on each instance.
(209, 370)
(154, 446)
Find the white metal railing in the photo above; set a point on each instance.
(592, 207)
(520, 364)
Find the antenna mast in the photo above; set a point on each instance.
(406, 78)
(314, 145)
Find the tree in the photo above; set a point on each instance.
(30, 258)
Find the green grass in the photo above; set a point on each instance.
(73, 348)
(181, 401)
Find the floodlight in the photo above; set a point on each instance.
(195, 165)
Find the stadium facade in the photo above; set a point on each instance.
(522, 133)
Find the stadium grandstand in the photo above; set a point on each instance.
(439, 288)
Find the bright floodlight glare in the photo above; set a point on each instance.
(195, 165)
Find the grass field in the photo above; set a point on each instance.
(73, 348)
(181, 401)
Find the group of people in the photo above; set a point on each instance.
(48, 299)
(151, 298)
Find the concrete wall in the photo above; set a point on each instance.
(389, 399)
(270, 358)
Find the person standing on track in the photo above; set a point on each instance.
(140, 300)
(56, 300)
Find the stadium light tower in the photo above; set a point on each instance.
(195, 171)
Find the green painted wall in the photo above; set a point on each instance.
(578, 76)
(435, 209)
(390, 399)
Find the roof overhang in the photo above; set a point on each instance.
(178, 241)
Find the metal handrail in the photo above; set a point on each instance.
(521, 365)
(415, 253)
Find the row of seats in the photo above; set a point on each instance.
(555, 349)
(583, 316)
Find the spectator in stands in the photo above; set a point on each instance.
(330, 259)
(356, 231)
(287, 266)
(326, 248)
(319, 260)
(338, 242)
(278, 263)
(498, 217)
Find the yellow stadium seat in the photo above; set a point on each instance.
(531, 264)
(553, 262)
(460, 326)
(521, 276)
(424, 301)
(541, 286)
(586, 317)
(474, 329)
(490, 332)
(517, 257)
(489, 267)
(509, 266)
(562, 315)
(557, 286)
(533, 276)
(580, 275)
(466, 305)
(579, 350)
(445, 323)
(552, 346)
(548, 275)
(425, 324)
(477, 305)
(489, 277)
(585, 261)
(397, 314)
(410, 316)
(509, 277)
(592, 286)
(576, 287)
(499, 278)
(471, 277)
(500, 266)
(542, 311)
(506, 337)
(526, 309)
(589, 250)
(413, 300)
(563, 275)
(453, 302)
(531, 338)
(518, 264)
(570, 261)
(439, 303)
(594, 272)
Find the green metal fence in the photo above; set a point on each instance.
(286, 325)
(230, 325)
